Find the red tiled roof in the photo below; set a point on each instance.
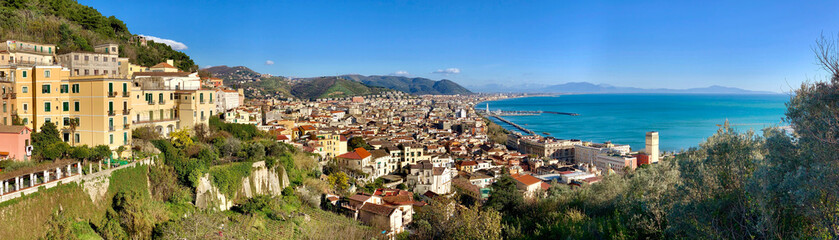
(527, 179)
(163, 65)
(377, 209)
(281, 137)
(357, 154)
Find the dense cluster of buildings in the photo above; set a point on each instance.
(430, 146)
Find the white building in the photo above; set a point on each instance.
(227, 99)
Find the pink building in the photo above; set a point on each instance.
(13, 142)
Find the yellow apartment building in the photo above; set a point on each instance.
(18, 52)
(40, 94)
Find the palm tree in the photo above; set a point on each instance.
(72, 124)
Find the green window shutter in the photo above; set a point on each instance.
(76, 106)
(66, 106)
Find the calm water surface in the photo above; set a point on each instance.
(683, 120)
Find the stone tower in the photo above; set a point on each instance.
(652, 146)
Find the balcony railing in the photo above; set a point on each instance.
(10, 96)
(111, 128)
(162, 102)
(111, 113)
(126, 126)
(126, 111)
(203, 118)
(124, 94)
(112, 94)
(151, 102)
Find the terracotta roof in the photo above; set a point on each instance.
(281, 137)
(163, 65)
(527, 179)
(377, 209)
(162, 74)
(357, 154)
(12, 129)
(399, 200)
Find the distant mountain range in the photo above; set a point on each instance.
(257, 85)
(585, 87)
(411, 85)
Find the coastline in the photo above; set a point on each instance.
(685, 120)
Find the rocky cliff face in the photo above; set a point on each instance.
(261, 181)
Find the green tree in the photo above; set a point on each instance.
(339, 180)
(358, 142)
(505, 196)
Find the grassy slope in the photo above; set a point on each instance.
(25, 218)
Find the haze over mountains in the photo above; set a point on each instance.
(585, 87)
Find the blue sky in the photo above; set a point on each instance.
(758, 45)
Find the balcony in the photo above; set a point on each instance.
(202, 102)
(112, 94)
(9, 95)
(126, 126)
(111, 113)
(151, 102)
(124, 94)
(126, 111)
(203, 118)
(162, 102)
(111, 128)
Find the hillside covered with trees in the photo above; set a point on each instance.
(76, 27)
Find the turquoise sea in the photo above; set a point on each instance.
(682, 120)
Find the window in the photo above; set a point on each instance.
(95, 58)
(76, 57)
(66, 121)
(45, 88)
(111, 136)
(104, 59)
(25, 107)
(4, 107)
(105, 72)
(24, 89)
(86, 72)
(124, 87)
(125, 138)
(64, 88)
(111, 123)
(24, 73)
(76, 88)
(95, 72)
(47, 120)
(46, 73)
(78, 137)
(25, 121)
(161, 114)
(47, 107)
(65, 106)
(160, 97)
(86, 58)
(201, 97)
(66, 137)
(113, 59)
(110, 86)
(76, 106)
(113, 49)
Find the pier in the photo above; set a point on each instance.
(514, 125)
(525, 113)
